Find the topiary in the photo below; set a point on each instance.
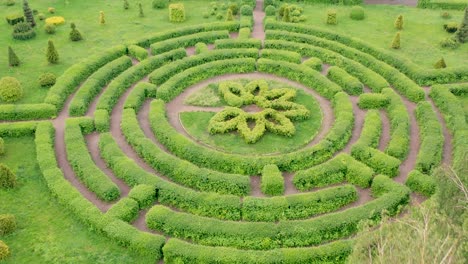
(396, 41)
(75, 34)
(399, 22)
(7, 178)
(177, 12)
(126, 5)
(270, 10)
(23, 31)
(4, 250)
(445, 15)
(246, 10)
(102, 18)
(267, 3)
(52, 54)
(219, 16)
(7, 224)
(47, 79)
(331, 17)
(41, 16)
(450, 43)
(2, 146)
(462, 32)
(229, 15)
(440, 64)
(55, 20)
(357, 13)
(140, 7)
(15, 18)
(286, 15)
(451, 27)
(28, 14)
(51, 10)
(13, 60)
(234, 8)
(160, 4)
(10, 89)
(49, 29)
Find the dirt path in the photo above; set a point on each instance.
(258, 16)
(392, 2)
(93, 105)
(385, 136)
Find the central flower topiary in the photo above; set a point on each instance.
(278, 110)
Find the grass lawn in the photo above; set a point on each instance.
(47, 232)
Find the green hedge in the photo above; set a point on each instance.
(372, 129)
(126, 209)
(7, 224)
(27, 111)
(282, 55)
(176, 84)
(137, 52)
(18, 129)
(376, 159)
(458, 89)
(399, 143)
(272, 182)
(201, 47)
(421, 183)
(187, 41)
(84, 167)
(244, 33)
(102, 120)
(314, 63)
(373, 101)
(76, 74)
(350, 84)
(138, 95)
(120, 84)
(449, 4)
(164, 73)
(249, 43)
(144, 194)
(95, 83)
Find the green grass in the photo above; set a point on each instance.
(464, 101)
(47, 232)
(121, 26)
(196, 123)
(207, 96)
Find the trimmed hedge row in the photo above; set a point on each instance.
(272, 182)
(126, 209)
(432, 140)
(84, 167)
(421, 183)
(143, 194)
(233, 163)
(176, 84)
(399, 143)
(335, 170)
(244, 33)
(18, 129)
(95, 83)
(179, 251)
(372, 129)
(350, 84)
(27, 111)
(364, 74)
(373, 101)
(376, 159)
(86, 212)
(178, 170)
(282, 55)
(314, 63)
(201, 47)
(400, 81)
(460, 5)
(297, 206)
(102, 120)
(249, 43)
(167, 71)
(76, 74)
(187, 41)
(458, 89)
(421, 75)
(139, 93)
(263, 235)
(137, 52)
(120, 84)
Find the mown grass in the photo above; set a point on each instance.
(47, 232)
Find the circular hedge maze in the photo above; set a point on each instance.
(117, 153)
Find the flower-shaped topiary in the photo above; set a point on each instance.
(278, 110)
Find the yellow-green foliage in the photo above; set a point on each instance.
(55, 20)
(399, 22)
(396, 41)
(177, 12)
(4, 250)
(102, 18)
(440, 64)
(331, 17)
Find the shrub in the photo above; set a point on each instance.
(137, 52)
(350, 84)
(23, 31)
(357, 13)
(75, 34)
(160, 4)
(331, 17)
(7, 224)
(10, 89)
(377, 160)
(41, 16)
(450, 42)
(246, 10)
(421, 183)
(462, 33)
(396, 41)
(126, 209)
(49, 29)
(200, 47)
(440, 64)
(272, 180)
(451, 27)
(102, 18)
(445, 15)
(28, 13)
(47, 79)
(2, 146)
(52, 54)
(102, 120)
(286, 15)
(55, 20)
(234, 8)
(126, 5)
(144, 194)
(13, 60)
(51, 10)
(229, 16)
(270, 10)
(140, 8)
(399, 22)
(177, 12)
(4, 250)
(14, 19)
(7, 177)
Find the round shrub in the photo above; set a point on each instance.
(23, 31)
(4, 250)
(10, 89)
(15, 18)
(445, 15)
(357, 13)
(51, 10)
(2, 146)
(450, 43)
(234, 8)
(55, 20)
(160, 4)
(267, 3)
(451, 27)
(331, 17)
(270, 10)
(7, 224)
(41, 16)
(246, 10)
(219, 16)
(177, 12)
(7, 178)
(47, 79)
(49, 29)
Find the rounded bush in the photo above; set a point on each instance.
(450, 43)
(234, 8)
(445, 15)
(51, 10)
(270, 10)
(7, 224)
(23, 31)
(15, 18)
(10, 89)
(47, 79)
(7, 178)
(246, 10)
(55, 20)
(41, 16)
(160, 4)
(451, 27)
(4, 250)
(49, 29)
(331, 17)
(357, 13)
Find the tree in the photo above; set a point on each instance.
(75, 35)
(399, 22)
(229, 15)
(28, 14)
(13, 60)
(396, 41)
(462, 33)
(140, 6)
(52, 54)
(126, 5)
(286, 16)
(7, 178)
(102, 19)
(440, 64)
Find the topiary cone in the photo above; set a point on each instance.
(102, 19)
(462, 33)
(28, 14)
(399, 22)
(440, 64)
(52, 54)
(13, 60)
(396, 41)
(229, 16)
(7, 178)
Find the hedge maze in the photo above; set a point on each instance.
(109, 151)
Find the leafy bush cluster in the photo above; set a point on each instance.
(357, 13)
(283, 55)
(137, 52)
(7, 224)
(377, 160)
(421, 183)
(188, 40)
(23, 31)
(350, 84)
(15, 18)
(4, 250)
(10, 89)
(177, 12)
(47, 79)
(398, 146)
(313, 63)
(373, 101)
(140, 92)
(291, 13)
(272, 181)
